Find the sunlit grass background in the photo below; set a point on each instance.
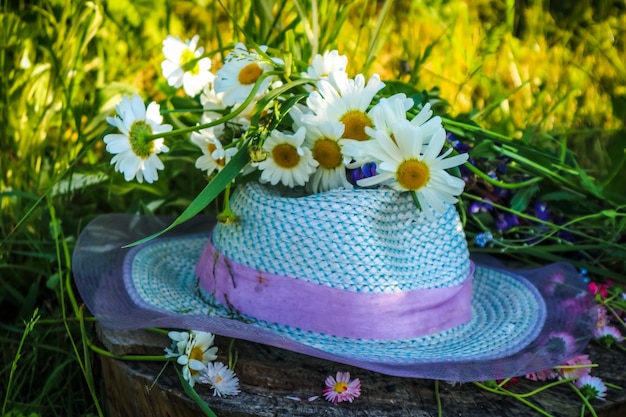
(534, 70)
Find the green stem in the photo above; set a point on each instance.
(501, 184)
(615, 315)
(508, 148)
(550, 224)
(550, 172)
(612, 386)
(221, 120)
(60, 245)
(471, 128)
(108, 354)
(29, 327)
(438, 399)
(516, 396)
(584, 399)
(545, 387)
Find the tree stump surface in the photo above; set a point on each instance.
(268, 375)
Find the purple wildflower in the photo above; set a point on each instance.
(481, 206)
(541, 211)
(505, 221)
(365, 171)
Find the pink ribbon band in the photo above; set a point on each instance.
(297, 303)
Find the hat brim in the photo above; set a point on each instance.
(523, 321)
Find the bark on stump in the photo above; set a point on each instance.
(268, 375)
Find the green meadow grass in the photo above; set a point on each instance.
(553, 78)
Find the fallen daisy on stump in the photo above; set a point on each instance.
(342, 388)
(194, 350)
(222, 380)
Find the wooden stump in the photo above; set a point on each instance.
(269, 375)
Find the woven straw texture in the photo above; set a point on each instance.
(143, 287)
(359, 240)
(508, 312)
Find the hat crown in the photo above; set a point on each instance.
(371, 241)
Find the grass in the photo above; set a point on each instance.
(548, 77)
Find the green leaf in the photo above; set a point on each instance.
(561, 196)
(609, 213)
(209, 193)
(267, 98)
(484, 149)
(520, 200)
(194, 396)
(184, 103)
(53, 281)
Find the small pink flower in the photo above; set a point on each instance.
(542, 375)
(591, 387)
(342, 388)
(601, 289)
(603, 317)
(572, 369)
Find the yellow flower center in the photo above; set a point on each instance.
(196, 353)
(327, 152)
(250, 73)
(355, 122)
(188, 62)
(141, 146)
(219, 162)
(412, 174)
(218, 379)
(285, 155)
(340, 387)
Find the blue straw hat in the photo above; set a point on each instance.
(486, 322)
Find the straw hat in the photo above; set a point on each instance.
(357, 277)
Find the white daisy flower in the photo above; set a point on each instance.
(409, 165)
(288, 161)
(608, 335)
(241, 70)
(325, 144)
(423, 120)
(184, 67)
(299, 114)
(135, 156)
(199, 351)
(211, 100)
(322, 65)
(591, 387)
(179, 344)
(214, 156)
(222, 380)
(345, 100)
(391, 110)
(386, 114)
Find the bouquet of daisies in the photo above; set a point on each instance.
(314, 127)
